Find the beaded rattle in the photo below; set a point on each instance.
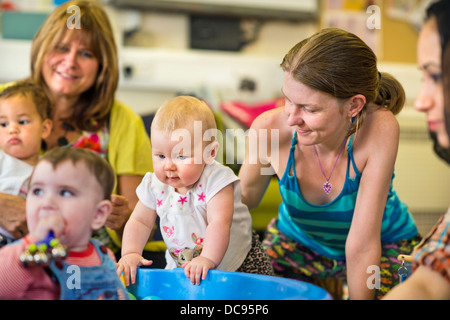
(40, 253)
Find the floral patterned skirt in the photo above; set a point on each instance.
(292, 260)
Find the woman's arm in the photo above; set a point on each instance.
(254, 185)
(423, 284)
(123, 203)
(127, 185)
(378, 145)
(261, 157)
(130, 155)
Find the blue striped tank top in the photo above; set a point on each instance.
(324, 228)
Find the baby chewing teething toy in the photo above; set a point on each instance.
(42, 252)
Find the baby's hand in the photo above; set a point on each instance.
(197, 268)
(49, 223)
(128, 265)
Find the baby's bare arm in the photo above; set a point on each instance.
(135, 235)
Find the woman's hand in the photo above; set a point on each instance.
(124, 202)
(119, 215)
(12, 215)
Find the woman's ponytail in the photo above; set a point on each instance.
(391, 94)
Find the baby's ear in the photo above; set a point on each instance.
(104, 208)
(210, 152)
(47, 126)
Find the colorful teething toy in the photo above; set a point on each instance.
(42, 252)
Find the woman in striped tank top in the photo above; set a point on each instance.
(334, 159)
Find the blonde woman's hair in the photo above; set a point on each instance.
(94, 105)
(182, 111)
(339, 63)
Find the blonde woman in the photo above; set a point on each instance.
(78, 69)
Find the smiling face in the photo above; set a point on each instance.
(22, 128)
(71, 67)
(316, 116)
(70, 191)
(431, 96)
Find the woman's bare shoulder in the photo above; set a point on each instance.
(382, 123)
(274, 119)
(377, 139)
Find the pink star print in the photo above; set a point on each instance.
(182, 200)
(158, 202)
(201, 197)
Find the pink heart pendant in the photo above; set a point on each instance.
(327, 187)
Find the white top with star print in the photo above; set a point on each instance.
(183, 219)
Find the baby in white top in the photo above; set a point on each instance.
(25, 120)
(197, 199)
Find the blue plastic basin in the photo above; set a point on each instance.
(160, 284)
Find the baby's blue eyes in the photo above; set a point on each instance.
(36, 192)
(180, 157)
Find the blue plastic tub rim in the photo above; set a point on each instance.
(162, 284)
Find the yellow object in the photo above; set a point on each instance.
(268, 208)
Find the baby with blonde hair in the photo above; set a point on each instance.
(180, 112)
(197, 199)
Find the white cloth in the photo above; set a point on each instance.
(183, 218)
(13, 175)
